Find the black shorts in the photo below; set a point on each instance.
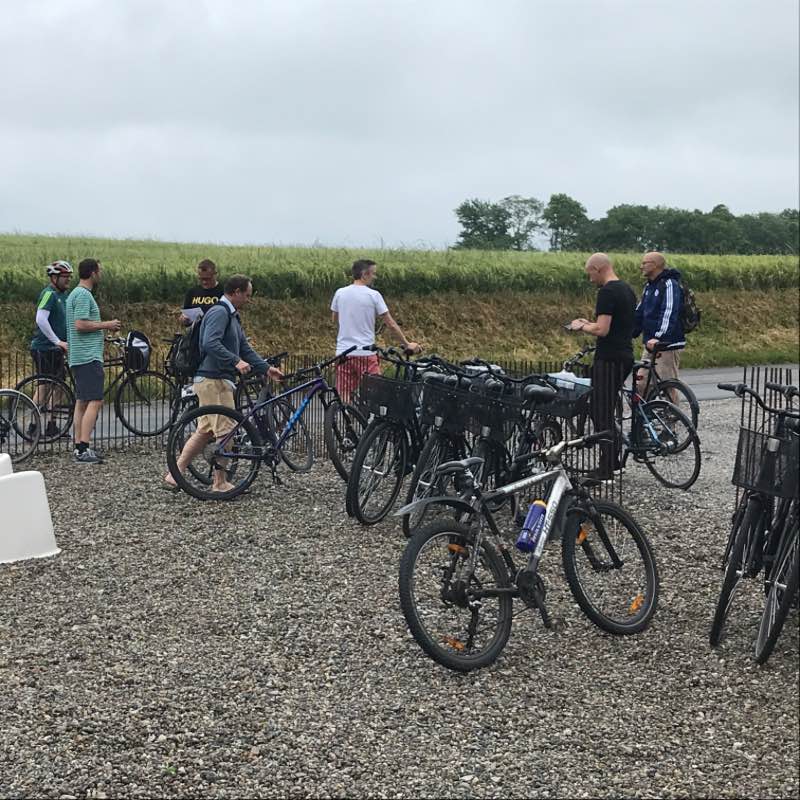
(49, 362)
(89, 381)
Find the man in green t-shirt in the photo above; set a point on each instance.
(85, 339)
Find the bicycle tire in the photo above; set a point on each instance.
(20, 425)
(744, 544)
(687, 401)
(57, 408)
(144, 402)
(780, 598)
(679, 440)
(635, 602)
(439, 448)
(297, 452)
(381, 456)
(446, 649)
(244, 468)
(491, 474)
(343, 426)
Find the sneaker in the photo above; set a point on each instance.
(88, 456)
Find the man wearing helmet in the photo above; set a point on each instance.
(49, 343)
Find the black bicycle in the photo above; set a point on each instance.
(20, 425)
(458, 578)
(763, 540)
(672, 390)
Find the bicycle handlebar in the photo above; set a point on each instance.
(741, 389)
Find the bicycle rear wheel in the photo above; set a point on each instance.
(610, 568)
(297, 451)
(20, 425)
(674, 459)
(56, 404)
(680, 395)
(781, 596)
(378, 470)
(343, 427)
(744, 552)
(144, 402)
(237, 457)
(445, 607)
(439, 448)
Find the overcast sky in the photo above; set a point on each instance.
(351, 122)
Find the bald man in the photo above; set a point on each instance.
(658, 316)
(613, 326)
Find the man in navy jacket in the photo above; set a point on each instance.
(658, 315)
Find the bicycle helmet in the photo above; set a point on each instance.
(59, 268)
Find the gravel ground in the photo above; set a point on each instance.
(256, 648)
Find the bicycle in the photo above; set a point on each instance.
(258, 435)
(672, 390)
(660, 435)
(458, 578)
(20, 425)
(142, 398)
(764, 531)
(391, 443)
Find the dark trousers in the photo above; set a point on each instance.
(608, 376)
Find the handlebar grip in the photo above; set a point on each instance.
(784, 389)
(736, 388)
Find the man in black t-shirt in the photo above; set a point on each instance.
(206, 294)
(615, 313)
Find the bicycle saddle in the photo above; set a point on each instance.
(449, 467)
(538, 394)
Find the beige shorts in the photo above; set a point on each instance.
(667, 363)
(214, 392)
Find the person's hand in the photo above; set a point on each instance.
(183, 319)
(63, 346)
(650, 344)
(414, 347)
(113, 325)
(577, 324)
(242, 367)
(275, 374)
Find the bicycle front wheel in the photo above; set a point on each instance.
(378, 470)
(673, 457)
(56, 404)
(144, 402)
(610, 568)
(343, 427)
(457, 616)
(781, 596)
(424, 482)
(20, 425)
(233, 460)
(297, 450)
(744, 553)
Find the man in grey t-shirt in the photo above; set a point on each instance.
(355, 308)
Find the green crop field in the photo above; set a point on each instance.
(138, 271)
(457, 303)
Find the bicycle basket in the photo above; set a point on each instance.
(386, 397)
(572, 395)
(137, 351)
(751, 451)
(490, 416)
(440, 406)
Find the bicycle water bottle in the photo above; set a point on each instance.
(529, 535)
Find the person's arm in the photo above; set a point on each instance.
(598, 328)
(670, 308)
(395, 328)
(88, 326)
(43, 323)
(215, 323)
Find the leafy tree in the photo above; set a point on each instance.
(524, 219)
(484, 226)
(567, 221)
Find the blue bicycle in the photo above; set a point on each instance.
(239, 441)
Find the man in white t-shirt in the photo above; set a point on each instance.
(355, 308)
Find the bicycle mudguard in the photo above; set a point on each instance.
(444, 500)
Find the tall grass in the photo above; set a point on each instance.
(139, 271)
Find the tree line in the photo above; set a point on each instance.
(525, 223)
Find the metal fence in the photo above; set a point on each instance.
(111, 434)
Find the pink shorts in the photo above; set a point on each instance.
(349, 372)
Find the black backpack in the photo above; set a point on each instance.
(690, 313)
(187, 354)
